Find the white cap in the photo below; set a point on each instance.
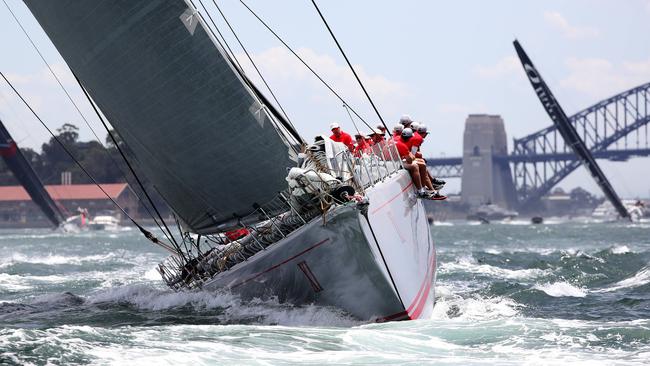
(405, 119)
(398, 128)
(414, 126)
(376, 131)
(422, 128)
(334, 125)
(407, 132)
(380, 127)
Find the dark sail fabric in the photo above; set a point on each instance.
(25, 174)
(567, 130)
(195, 128)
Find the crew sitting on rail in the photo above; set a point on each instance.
(397, 131)
(361, 145)
(340, 136)
(405, 121)
(416, 169)
(417, 139)
(382, 128)
(416, 142)
(377, 136)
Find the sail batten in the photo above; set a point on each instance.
(196, 129)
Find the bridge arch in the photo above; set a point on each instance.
(614, 128)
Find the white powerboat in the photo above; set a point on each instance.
(104, 220)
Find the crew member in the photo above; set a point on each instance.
(361, 145)
(418, 172)
(405, 121)
(397, 131)
(417, 140)
(340, 136)
(382, 128)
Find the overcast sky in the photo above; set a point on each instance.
(435, 60)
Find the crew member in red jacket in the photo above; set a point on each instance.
(340, 136)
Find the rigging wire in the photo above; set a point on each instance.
(350, 65)
(128, 164)
(352, 119)
(51, 71)
(40, 54)
(144, 231)
(251, 60)
(303, 62)
(235, 62)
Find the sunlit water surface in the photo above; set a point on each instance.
(506, 294)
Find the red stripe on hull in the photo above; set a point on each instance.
(281, 263)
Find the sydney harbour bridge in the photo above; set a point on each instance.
(615, 129)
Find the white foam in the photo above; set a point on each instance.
(561, 289)
(54, 259)
(26, 282)
(469, 264)
(268, 312)
(442, 223)
(620, 249)
(475, 309)
(639, 279)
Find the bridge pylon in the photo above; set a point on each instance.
(486, 179)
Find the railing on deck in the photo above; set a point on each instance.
(375, 164)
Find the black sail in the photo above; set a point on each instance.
(26, 176)
(567, 130)
(196, 129)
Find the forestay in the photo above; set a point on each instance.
(195, 128)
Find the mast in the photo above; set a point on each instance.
(27, 177)
(567, 130)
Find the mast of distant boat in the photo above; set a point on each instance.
(568, 132)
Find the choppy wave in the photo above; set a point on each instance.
(559, 289)
(470, 265)
(56, 259)
(506, 294)
(640, 278)
(620, 249)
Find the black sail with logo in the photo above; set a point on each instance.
(567, 130)
(196, 129)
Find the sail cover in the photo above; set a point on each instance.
(26, 176)
(566, 129)
(195, 128)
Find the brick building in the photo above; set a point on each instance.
(18, 210)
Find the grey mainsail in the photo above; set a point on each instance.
(26, 176)
(196, 129)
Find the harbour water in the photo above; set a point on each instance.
(506, 294)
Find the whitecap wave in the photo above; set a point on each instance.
(470, 265)
(475, 308)
(561, 289)
(15, 282)
(55, 259)
(442, 223)
(640, 278)
(620, 249)
(231, 307)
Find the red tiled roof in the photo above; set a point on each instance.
(65, 192)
